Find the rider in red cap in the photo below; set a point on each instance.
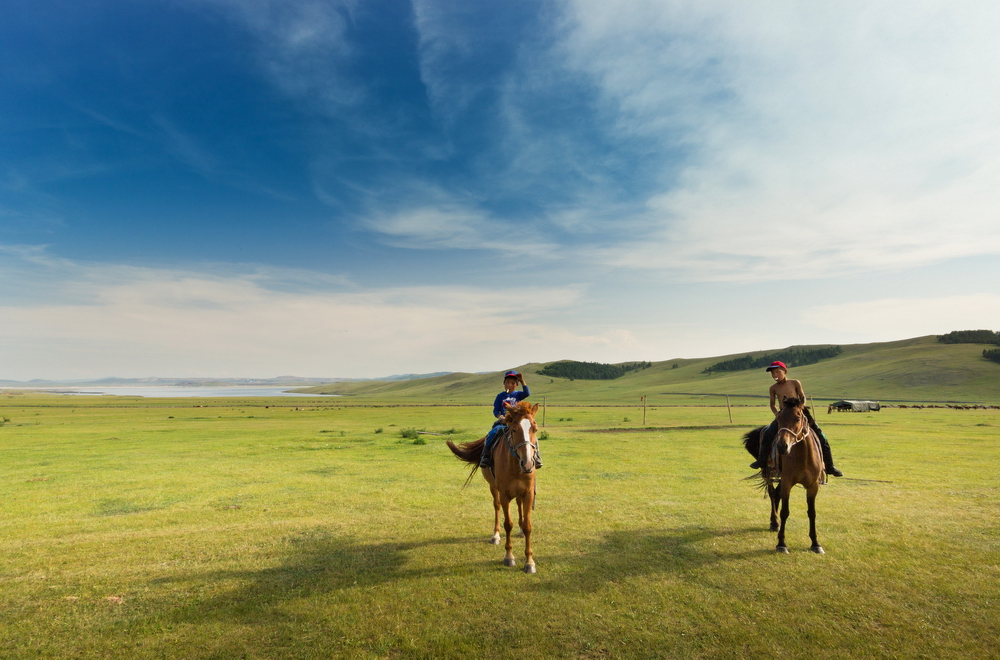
(783, 388)
(505, 400)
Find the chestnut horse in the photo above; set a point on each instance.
(795, 458)
(512, 476)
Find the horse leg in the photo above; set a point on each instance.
(784, 517)
(520, 517)
(508, 559)
(525, 502)
(495, 539)
(811, 504)
(773, 498)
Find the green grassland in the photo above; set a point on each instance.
(312, 529)
(920, 369)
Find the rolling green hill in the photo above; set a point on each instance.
(911, 370)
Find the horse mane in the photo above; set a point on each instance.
(795, 402)
(809, 415)
(517, 412)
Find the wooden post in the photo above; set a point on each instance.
(730, 409)
(643, 409)
(543, 412)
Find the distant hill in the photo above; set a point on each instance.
(910, 370)
(290, 381)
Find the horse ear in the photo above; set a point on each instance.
(534, 409)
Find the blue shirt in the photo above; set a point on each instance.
(512, 398)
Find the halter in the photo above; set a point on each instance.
(797, 436)
(507, 436)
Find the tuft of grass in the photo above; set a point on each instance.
(420, 441)
(378, 430)
(409, 433)
(544, 435)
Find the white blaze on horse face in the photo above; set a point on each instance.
(528, 448)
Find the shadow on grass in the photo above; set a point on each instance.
(625, 554)
(315, 564)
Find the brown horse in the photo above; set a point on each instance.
(795, 458)
(512, 476)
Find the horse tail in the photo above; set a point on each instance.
(751, 440)
(470, 452)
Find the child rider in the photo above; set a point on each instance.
(505, 400)
(786, 387)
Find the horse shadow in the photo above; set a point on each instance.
(625, 554)
(316, 564)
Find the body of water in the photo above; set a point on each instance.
(171, 391)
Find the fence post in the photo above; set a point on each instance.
(730, 409)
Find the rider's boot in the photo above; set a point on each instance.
(762, 455)
(827, 454)
(486, 460)
(828, 461)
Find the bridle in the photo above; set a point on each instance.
(508, 438)
(796, 437)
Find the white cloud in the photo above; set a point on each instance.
(450, 226)
(820, 139)
(898, 318)
(126, 321)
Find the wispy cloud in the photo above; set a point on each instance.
(302, 45)
(819, 139)
(451, 226)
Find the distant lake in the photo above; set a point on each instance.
(172, 391)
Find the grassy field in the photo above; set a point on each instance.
(312, 529)
(918, 369)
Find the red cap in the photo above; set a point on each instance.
(511, 374)
(777, 365)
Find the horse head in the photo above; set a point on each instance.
(521, 439)
(793, 424)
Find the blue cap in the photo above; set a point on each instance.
(511, 374)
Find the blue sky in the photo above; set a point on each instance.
(260, 188)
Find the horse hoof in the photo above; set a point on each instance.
(782, 549)
(818, 549)
(529, 569)
(509, 562)
(495, 540)
(774, 527)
